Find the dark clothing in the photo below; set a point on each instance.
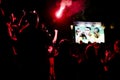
(64, 63)
(32, 54)
(114, 67)
(92, 63)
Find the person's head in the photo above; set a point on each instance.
(117, 46)
(88, 30)
(77, 30)
(50, 49)
(96, 30)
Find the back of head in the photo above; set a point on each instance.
(64, 46)
(90, 53)
(117, 46)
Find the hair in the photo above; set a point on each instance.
(88, 28)
(97, 29)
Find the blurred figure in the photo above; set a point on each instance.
(117, 47)
(12, 27)
(8, 42)
(89, 35)
(96, 35)
(15, 27)
(88, 31)
(96, 32)
(52, 52)
(64, 62)
(92, 63)
(114, 63)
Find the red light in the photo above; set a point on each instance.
(59, 12)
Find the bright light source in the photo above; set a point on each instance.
(60, 11)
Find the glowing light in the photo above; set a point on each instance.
(67, 2)
(34, 11)
(71, 26)
(70, 7)
(59, 13)
(111, 27)
(63, 4)
(103, 26)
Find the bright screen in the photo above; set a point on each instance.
(89, 32)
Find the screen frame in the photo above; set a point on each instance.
(96, 24)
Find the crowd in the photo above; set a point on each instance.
(29, 50)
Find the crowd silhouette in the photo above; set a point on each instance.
(29, 50)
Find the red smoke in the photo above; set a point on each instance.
(63, 5)
(76, 7)
(70, 7)
(60, 11)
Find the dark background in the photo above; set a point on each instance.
(104, 11)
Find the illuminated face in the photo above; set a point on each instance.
(87, 31)
(96, 30)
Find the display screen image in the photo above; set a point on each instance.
(89, 32)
